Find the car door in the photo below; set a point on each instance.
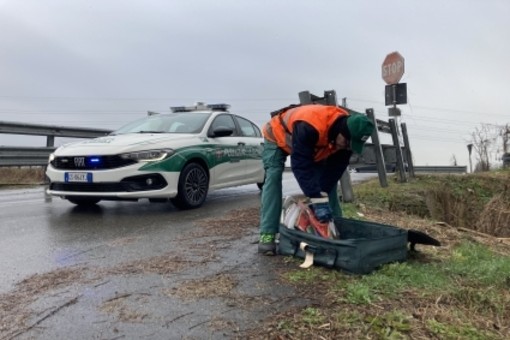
(230, 169)
(252, 153)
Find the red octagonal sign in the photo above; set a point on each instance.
(393, 68)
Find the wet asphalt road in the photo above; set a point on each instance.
(39, 235)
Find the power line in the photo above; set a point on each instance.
(436, 108)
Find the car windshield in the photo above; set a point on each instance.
(186, 122)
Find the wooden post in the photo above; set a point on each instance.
(379, 157)
(409, 155)
(398, 151)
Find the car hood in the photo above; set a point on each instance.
(117, 144)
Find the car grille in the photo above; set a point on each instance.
(130, 184)
(90, 162)
(89, 187)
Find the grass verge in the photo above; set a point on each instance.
(460, 290)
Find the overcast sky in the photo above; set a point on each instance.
(103, 63)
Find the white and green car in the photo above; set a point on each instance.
(178, 157)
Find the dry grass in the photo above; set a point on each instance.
(119, 307)
(475, 201)
(495, 218)
(163, 265)
(220, 285)
(14, 306)
(11, 176)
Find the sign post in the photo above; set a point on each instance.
(392, 70)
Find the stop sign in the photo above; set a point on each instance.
(393, 68)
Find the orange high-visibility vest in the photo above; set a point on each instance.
(321, 117)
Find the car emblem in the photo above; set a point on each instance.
(79, 162)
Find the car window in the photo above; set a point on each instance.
(224, 121)
(248, 129)
(185, 122)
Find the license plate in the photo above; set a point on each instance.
(83, 177)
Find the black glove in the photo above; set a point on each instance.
(321, 209)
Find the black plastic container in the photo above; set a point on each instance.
(363, 246)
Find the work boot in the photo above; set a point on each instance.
(267, 244)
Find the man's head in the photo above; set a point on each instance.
(360, 129)
(351, 132)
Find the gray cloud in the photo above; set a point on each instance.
(102, 63)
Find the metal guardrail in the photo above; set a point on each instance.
(24, 156)
(443, 169)
(46, 130)
(50, 131)
(38, 156)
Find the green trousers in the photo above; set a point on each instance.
(274, 159)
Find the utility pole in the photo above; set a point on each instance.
(470, 148)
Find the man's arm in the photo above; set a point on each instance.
(304, 139)
(334, 167)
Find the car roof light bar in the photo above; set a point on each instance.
(218, 107)
(200, 107)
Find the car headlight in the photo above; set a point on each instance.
(148, 155)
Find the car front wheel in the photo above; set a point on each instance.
(192, 188)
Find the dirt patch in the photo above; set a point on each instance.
(231, 227)
(163, 265)
(119, 307)
(220, 285)
(15, 308)
(120, 242)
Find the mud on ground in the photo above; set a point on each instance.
(212, 269)
(220, 297)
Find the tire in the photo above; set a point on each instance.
(192, 188)
(83, 201)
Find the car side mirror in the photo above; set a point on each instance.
(221, 131)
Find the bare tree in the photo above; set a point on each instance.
(483, 140)
(453, 160)
(490, 142)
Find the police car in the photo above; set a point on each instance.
(179, 157)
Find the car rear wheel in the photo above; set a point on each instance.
(192, 188)
(83, 201)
